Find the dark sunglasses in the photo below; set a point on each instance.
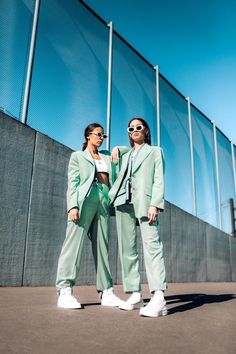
(99, 135)
(137, 128)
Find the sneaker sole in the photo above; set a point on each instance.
(163, 312)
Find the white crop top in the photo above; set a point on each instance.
(101, 166)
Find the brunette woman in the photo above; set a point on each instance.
(138, 193)
(90, 175)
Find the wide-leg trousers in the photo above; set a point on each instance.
(152, 250)
(94, 219)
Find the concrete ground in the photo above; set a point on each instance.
(202, 319)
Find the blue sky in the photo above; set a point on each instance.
(194, 44)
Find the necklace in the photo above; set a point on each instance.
(95, 155)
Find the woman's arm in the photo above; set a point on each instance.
(157, 201)
(118, 152)
(73, 182)
(158, 181)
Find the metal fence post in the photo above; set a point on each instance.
(158, 106)
(110, 25)
(192, 156)
(217, 174)
(30, 63)
(232, 216)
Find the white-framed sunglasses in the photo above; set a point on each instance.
(99, 135)
(137, 128)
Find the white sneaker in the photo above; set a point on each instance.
(66, 300)
(109, 298)
(156, 306)
(135, 301)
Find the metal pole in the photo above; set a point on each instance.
(158, 106)
(110, 25)
(30, 63)
(192, 156)
(234, 169)
(217, 174)
(232, 217)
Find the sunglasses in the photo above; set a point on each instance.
(137, 128)
(99, 135)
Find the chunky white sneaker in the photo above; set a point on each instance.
(156, 306)
(109, 298)
(135, 301)
(66, 300)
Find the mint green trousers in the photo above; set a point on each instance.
(94, 220)
(152, 251)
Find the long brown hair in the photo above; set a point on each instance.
(147, 138)
(88, 130)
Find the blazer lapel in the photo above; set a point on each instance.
(141, 156)
(126, 160)
(123, 168)
(86, 154)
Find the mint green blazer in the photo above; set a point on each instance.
(147, 180)
(81, 174)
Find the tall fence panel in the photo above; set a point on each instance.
(15, 28)
(176, 145)
(133, 92)
(226, 179)
(69, 84)
(205, 172)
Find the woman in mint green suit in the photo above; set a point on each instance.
(90, 175)
(138, 193)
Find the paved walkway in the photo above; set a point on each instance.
(202, 319)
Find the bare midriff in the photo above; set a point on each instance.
(103, 178)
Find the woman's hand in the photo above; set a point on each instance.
(152, 214)
(74, 214)
(115, 154)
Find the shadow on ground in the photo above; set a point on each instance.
(190, 301)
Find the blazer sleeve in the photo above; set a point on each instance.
(123, 150)
(158, 181)
(73, 182)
